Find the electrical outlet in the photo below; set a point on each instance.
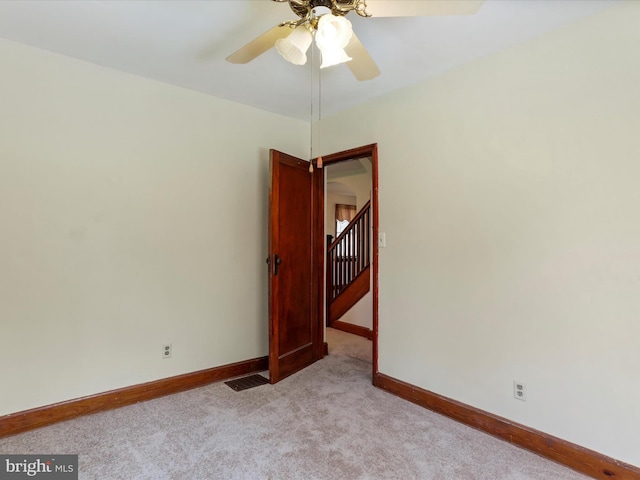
(519, 391)
(166, 351)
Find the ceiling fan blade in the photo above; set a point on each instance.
(419, 8)
(257, 47)
(362, 66)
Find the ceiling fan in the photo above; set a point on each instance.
(325, 20)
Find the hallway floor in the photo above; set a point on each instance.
(343, 343)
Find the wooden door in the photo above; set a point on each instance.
(293, 287)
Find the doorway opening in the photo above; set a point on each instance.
(350, 193)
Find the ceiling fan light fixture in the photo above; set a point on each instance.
(333, 56)
(332, 36)
(294, 47)
(333, 32)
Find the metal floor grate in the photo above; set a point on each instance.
(245, 383)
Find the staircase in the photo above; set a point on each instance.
(348, 265)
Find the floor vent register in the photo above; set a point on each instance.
(245, 383)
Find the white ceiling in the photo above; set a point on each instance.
(350, 167)
(185, 43)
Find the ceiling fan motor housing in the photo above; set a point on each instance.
(303, 8)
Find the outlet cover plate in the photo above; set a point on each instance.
(519, 391)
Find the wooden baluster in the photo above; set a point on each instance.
(363, 234)
(349, 250)
(346, 262)
(344, 265)
(360, 249)
(343, 270)
(352, 254)
(336, 259)
(368, 244)
(338, 269)
(356, 252)
(341, 263)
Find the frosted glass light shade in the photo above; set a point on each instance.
(332, 36)
(333, 56)
(294, 47)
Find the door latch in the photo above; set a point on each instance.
(276, 262)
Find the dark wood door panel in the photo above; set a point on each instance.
(296, 360)
(294, 250)
(293, 329)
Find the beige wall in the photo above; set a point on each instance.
(509, 193)
(360, 184)
(361, 313)
(133, 214)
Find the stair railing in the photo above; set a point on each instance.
(349, 254)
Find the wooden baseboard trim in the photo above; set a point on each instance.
(354, 329)
(566, 453)
(39, 417)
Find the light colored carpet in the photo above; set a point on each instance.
(343, 343)
(326, 422)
